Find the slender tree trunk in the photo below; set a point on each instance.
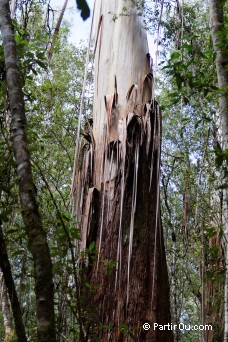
(7, 316)
(118, 199)
(37, 237)
(219, 37)
(8, 280)
(57, 28)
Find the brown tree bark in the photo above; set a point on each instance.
(118, 198)
(219, 38)
(9, 282)
(214, 290)
(38, 245)
(6, 312)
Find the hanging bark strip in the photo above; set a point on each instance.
(37, 237)
(118, 198)
(219, 38)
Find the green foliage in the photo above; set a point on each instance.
(110, 265)
(188, 93)
(191, 208)
(52, 97)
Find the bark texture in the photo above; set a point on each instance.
(6, 312)
(118, 187)
(9, 282)
(38, 245)
(213, 286)
(219, 37)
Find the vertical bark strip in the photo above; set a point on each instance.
(36, 235)
(9, 282)
(219, 37)
(118, 198)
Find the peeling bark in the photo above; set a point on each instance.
(38, 245)
(122, 165)
(219, 38)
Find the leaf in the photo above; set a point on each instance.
(47, 136)
(186, 100)
(185, 120)
(175, 94)
(89, 286)
(4, 216)
(12, 231)
(34, 71)
(91, 246)
(217, 150)
(55, 252)
(18, 253)
(41, 64)
(197, 123)
(219, 161)
(57, 266)
(187, 46)
(175, 55)
(179, 81)
(211, 231)
(66, 217)
(40, 55)
(223, 186)
(205, 92)
(206, 118)
(75, 233)
(201, 54)
(223, 90)
(22, 43)
(84, 8)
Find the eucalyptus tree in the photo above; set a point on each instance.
(117, 188)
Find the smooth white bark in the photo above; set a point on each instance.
(112, 67)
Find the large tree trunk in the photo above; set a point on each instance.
(37, 237)
(219, 37)
(118, 186)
